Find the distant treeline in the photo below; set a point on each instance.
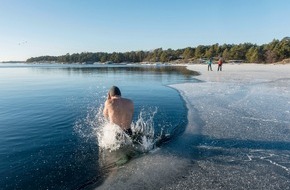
(275, 51)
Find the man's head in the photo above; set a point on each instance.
(114, 91)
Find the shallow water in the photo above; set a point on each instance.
(49, 121)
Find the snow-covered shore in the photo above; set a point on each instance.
(242, 119)
(242, 72)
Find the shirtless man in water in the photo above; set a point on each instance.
(119, 110)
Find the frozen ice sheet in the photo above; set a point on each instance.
(243, 125)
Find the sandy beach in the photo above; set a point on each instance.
(241, 118)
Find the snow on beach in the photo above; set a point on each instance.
(241, 118)
(242, 72)
(252, 86)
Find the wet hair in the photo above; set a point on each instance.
(115, 91)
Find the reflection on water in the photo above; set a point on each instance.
(128, 69)
(85, 69)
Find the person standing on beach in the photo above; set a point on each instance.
(220, 63)
(209, 62)
(119, 110)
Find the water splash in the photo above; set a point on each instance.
(111, 137)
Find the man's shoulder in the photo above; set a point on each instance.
(118, 100)
(127, 101)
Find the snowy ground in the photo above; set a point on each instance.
(241, 120)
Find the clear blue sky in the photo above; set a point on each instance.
(30, 28)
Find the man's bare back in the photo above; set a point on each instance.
(119, 110)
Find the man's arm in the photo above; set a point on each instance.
(106, 111)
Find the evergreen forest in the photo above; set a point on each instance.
(275, 51)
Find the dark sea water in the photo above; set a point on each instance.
(47, 138)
